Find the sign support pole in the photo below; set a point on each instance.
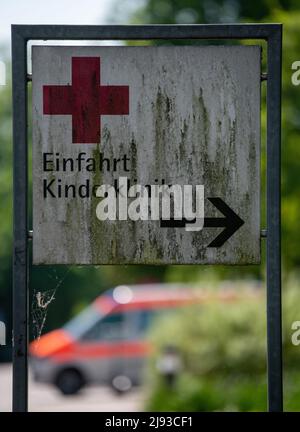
(274, 330)
(21, 34)
(20, 224)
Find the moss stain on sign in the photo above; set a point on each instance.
(194, 118)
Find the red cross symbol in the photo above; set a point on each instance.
(86, 100)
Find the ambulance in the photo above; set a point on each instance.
(106, 343)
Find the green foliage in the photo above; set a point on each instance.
(5, 203)
(208, 11)
(222, 346)
(211, 394)
(5, 169)
(290, 141)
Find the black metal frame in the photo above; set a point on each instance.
(21, 34)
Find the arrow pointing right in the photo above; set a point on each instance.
(231, 222)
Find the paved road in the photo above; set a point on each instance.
(46, 398)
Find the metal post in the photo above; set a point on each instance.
(274, 331)
(20, 255)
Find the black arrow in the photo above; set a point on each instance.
(231, 222)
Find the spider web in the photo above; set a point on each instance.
(41, 301)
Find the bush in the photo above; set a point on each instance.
(222, 347)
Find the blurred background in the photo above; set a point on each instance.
(207, 355)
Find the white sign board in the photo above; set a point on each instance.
(146, 155)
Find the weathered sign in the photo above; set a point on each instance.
(146, 155)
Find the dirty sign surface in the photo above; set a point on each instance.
(146, 155)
